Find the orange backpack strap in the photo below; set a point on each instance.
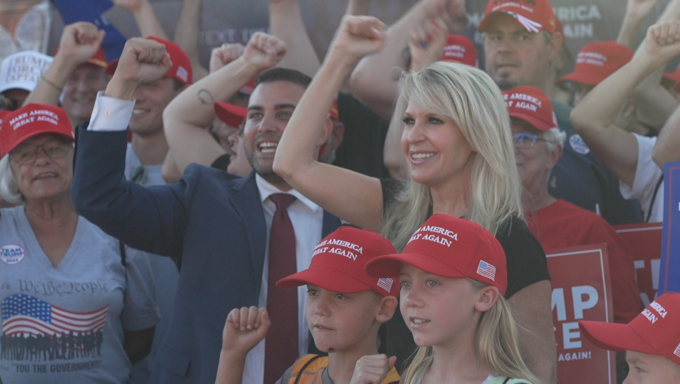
(308, 363)
(392, 377)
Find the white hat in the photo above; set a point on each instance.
(22, 70)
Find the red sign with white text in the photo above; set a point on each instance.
(581, 290)
(645, 242)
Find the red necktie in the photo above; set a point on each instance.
(281, 343)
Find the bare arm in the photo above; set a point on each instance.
(433, 33)
(79, 42)
(655, 102)
(593, 117)
(144, 16)
(192, 110)
(375, 79)
(243, 330)
(286, 23)
(534, 315)
(666, 147)
(637, 12)
(186, 35)
(348, 195)
(357, 7)
(169, 171)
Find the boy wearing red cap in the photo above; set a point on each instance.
(344, 310)
(651, 341)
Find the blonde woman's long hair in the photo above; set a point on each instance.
(496, 346)
(472, 100)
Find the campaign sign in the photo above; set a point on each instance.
(669, 272)
(644, 240)
(581, 290)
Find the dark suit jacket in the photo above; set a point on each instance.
(210, 221)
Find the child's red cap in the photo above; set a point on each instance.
(448, 246)
(339, 261)
(655, 331)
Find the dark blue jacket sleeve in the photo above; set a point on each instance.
(151, 219)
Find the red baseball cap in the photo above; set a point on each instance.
(3, 113)
(32, 120)
(459, 49)
(230, 114)
(448, 246)
(248, 88)
(181, 64)
(339, 261)
(99, 58)
(534, 16)
(597, 61)
(655, 331)
(530, 104)
(674, 77)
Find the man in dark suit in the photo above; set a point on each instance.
(216, 225)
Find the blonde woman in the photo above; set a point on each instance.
(458, 145)
(452, 276)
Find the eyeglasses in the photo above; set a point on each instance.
(26, 154)
(525, 140)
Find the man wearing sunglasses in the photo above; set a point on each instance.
(557, 223)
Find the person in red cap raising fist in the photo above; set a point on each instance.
(344, 308)
(453, 276)
(77, 71)
(651, 341)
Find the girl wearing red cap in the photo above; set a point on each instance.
(453, 276)
(458, 145)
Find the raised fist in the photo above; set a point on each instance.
(79, 42)
(131, 6)
(663, 41)
(359, 36)
(426, 43)
(372, 369)
(143, 61)
(245, 328)
(224, 55)
(264, 51)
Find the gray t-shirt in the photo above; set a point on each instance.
(65, 324)
(151, 174)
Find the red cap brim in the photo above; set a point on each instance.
(326, 278)
(390, 265)
(33, 133)
(587, 78)
(533, 121)
(230, 114)
(615, 337)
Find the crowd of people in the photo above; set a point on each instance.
(378, 216)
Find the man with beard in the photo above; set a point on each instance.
(233, 236)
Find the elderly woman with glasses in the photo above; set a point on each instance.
(555, 222)
(74, 307)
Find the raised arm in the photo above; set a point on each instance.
(348, 195)
(637, 12)
(375, 78)
(655, 102)
(150, 219)
(357, 7)
(192, 110)
(425, 43)
(593, 117)
(286, 23)
(79, 42)
(187, 33)
(144, 16)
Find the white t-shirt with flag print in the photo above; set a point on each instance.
(65, 324)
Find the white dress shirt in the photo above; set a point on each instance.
(110, 114)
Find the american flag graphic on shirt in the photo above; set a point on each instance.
(27, 315)
(487, 270)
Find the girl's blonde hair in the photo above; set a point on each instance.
(472, 100)
(496, 346)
